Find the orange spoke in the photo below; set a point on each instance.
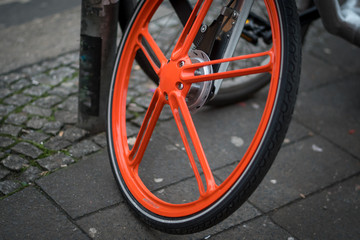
(191, 29)
(154, 49)
(147, 128)
(178, 104)
(187, 74)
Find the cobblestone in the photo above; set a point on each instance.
(30, 174)
(36, 122)
(47, 102)
(52, 127)
(37, 137)
(14, 162)
(18, 100)
(27, 149)
(50, 64)
(10, 78)
(74, 133)
(55, 161)
(135, 108)
(57, 143)
(100, 140)
(71, 85)
(43, 79)
(34, 69)
(20, 84)
(143, 101)
(137, 121)
(60, 91)
(6, 141)
(4, 92)
(8, 186)
(66, 117)
(37, 90)
(60, 74)
(10, 129)
(34, 110)
(83, 148)
(29, 101)
(131, 130)
(6, 109)
(3, 172)
(70, 104)
(16, 118)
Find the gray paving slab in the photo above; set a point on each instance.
(331, 49)
(119, 223)
(296, 132)
(161, 163)
(84, 187)
(30, 215)
(225, 133)
(116, 223)
(334, 111)
(300, 169)
(330, 214)
(314, 75)
(261, 228)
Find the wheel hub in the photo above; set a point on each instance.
(199, 92)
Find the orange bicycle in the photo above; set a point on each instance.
(172, 60)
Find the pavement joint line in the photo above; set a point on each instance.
(58, 206)
(299, 199)
(283, 228)
(327, 84)
(316, 133)
(249, 221)
(273, 211)
(112, 206)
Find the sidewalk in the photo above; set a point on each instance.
(56, 181)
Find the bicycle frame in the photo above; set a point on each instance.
(340, 20)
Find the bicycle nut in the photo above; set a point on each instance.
(203, 28)
(179, 85)
(235, 15)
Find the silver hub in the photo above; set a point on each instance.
(199, 92)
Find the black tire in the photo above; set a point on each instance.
(266, 151)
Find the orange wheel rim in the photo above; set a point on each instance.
(169, 93)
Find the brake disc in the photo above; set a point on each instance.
(199, 92)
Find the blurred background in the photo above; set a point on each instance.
(34, 30)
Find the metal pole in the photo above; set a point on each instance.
(99, 20)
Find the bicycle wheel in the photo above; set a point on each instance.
(169, 170)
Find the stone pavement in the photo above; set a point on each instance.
(56, 181)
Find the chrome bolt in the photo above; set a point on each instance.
(235, 15)
(180, 86)
(203, 28)
(181, 64)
